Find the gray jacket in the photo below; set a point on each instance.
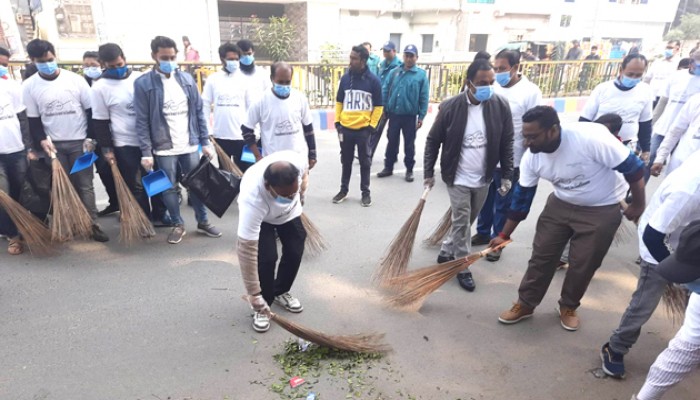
(151, 127)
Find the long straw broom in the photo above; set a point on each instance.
(33, 231)
(441, 230)
(315, 243)
(226, 163)
(70, 217)
(398, 254)
(133, 222)
(413, 288)
(627, 229)
(675, 300)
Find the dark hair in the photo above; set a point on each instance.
(29, 70)
(476, 66)
(513, 56)
(245, 45)
(628, 58)
(612, 121)
(162, 42)
(110, 52)
(594, 47)
(684, 63)
(185, 38)
(367, 44)
(546, 116)
(228, 47)
(37, 48)
(278, 65)
(281, 175)
(90, 54)
(482, 55)
(675, 42)
(362, 52)
(5, 52)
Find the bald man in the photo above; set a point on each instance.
(270, 206)
(284, 117)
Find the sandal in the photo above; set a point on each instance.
(15, 247)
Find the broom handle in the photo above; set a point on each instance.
(486, 251)
(425, 193)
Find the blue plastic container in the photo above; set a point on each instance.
(248, 156)
(156, 182)
(84, 162)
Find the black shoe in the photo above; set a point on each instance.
(384, 173)
(366, 200)
(480, 239)
(162, 222)
(340, 197)
(111, 209)
(494, 255)
(98, 235)
(409, 176)
(444, 259)
(466, 281)
(613, 363)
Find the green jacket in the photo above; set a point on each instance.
(407, 92)
(385, 69)
(373, 64)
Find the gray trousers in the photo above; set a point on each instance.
(67, 152)
(645, 299)
(466, 204)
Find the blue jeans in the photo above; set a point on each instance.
(407, 125)
(13, 171)
(493, 215)
(655, 144)
(169, 165)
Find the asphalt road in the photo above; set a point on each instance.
(160, 321)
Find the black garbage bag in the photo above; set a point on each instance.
(36, 189)
(214, 187)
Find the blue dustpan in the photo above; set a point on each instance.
(156, 182)
(84, 162)
(248, 156)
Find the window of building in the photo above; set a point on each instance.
(396, 39)
(396, 15)
(565, 21)
(354, 13)
(477, 42)
(427, 44)
(481, 1)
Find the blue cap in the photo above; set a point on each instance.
(388, 46)
(411, 49)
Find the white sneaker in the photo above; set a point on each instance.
(261, 322)
(289, 302)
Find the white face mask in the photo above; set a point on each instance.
(92, 72)
(232, 65)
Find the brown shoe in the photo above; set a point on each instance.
(516, 314)
(569, 319)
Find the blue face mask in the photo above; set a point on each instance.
(281, 90)
(167, 67)
(629, 82)
(483, 93)
(668, 53)
(92, 72)
(116, 73)
(232, 65)
(696, 71)
(247, 59)
(283, 200)
(503, 78)
(3, 70)
(47, 68)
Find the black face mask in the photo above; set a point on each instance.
(248, 68)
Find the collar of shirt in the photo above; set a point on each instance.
(162, 75)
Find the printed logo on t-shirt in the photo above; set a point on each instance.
(284, 128)
(130, 109)
(226, 100)
(170, 107)
(476, 140)
(571, 183)
(357, 100)
(60, 107)
(6, 112)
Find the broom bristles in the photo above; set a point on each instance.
(70, 218)
(370, 343)
(413, 288)
(395, 260)
(134, 224)
(627, 230)
(675, 300)
(35, 233)
(226, 163)
(441, 230)
(315, 244)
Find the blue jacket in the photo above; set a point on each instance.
(407, 92)
(385, 69)
(373, 63)
(151, 127)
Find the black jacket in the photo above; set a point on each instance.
(448, 131)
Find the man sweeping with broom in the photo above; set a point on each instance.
(270, 207)
(581, 160)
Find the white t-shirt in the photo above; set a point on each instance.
(226, 92)
(281, 122)
(175, 111)
(471, 169)
(10, 105)
(689, 119)
(633, 106)
(674, 205)
(581, 169)
(256, 84)
(61, 104)
(680, 87)
(659, 71)
(257, 205)
(522, 96)
(113, 100)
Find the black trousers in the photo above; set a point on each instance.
(349, 139)
(105, 173)
(376, 135)
(292, 235)
(234, 148)
(129, 164)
